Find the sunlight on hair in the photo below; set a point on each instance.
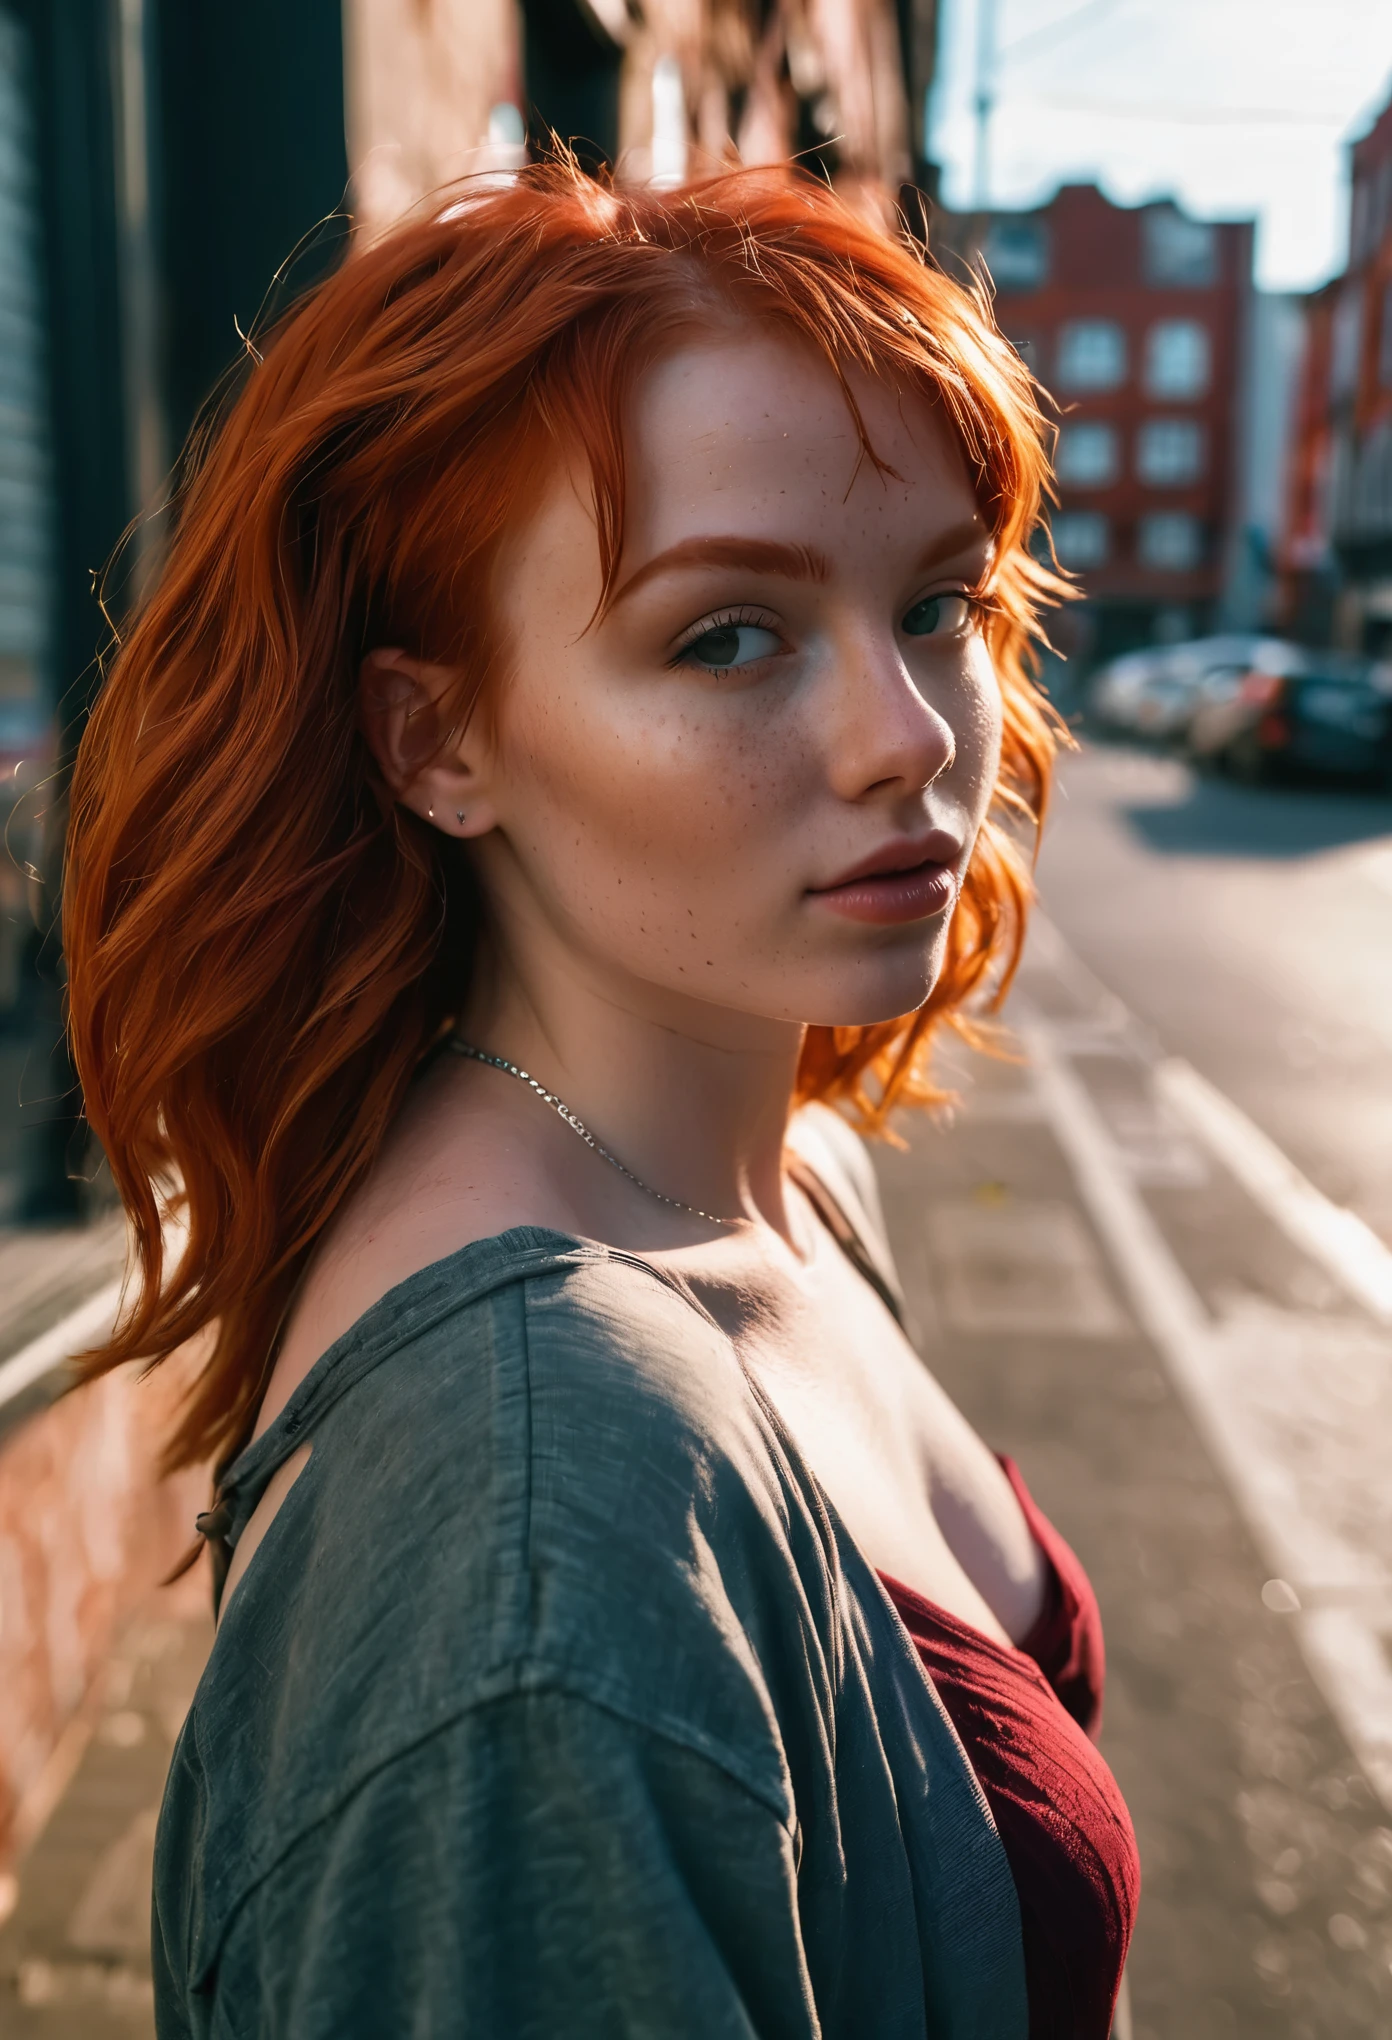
(262, 943)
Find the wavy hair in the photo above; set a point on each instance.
(262, 944)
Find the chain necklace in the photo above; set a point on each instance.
(576, 1125)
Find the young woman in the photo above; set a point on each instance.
(580, 736)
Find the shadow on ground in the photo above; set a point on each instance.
(1217, 818)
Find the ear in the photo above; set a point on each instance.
(441, 774)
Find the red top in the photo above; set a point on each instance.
(1025, 1717)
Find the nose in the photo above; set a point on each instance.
(882, 736)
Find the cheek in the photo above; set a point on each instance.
(663, 846)
(621, 797)
(978, 732)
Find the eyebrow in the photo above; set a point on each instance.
(788, 562)
(952, 545)
(759, 555)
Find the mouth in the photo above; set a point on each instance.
(903, 882)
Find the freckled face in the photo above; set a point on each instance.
(790, 689)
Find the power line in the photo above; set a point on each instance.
(1195, 116)
(985, 97)
(1054, 32)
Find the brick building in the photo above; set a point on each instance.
(1338, 541)
(1137, 320)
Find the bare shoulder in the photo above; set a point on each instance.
(454, 1169)
(832, 1147)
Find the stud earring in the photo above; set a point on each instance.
(430, 814)
(459, 814)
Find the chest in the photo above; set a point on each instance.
(918, 1490)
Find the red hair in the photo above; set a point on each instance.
(261, 943)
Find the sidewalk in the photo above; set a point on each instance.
(97, 1664)
(43, 1276)
(75, 1951)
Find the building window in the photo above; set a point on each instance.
(1370, 498)
(1017, 253)
(1170, 541)
(1338, 482)
(1359, 219)
(1346, 342)
(1087, 454)
(1172, 624)
(1082, 538)
(1027, 346)
(1382, 219)
(1179, 252)
(1177, 358)
(1091, 355)
(1169, 452)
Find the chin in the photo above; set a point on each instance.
(874, 989)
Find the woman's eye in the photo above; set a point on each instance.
(731, 644)
(939, 616)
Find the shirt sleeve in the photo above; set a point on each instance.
(540, 1870)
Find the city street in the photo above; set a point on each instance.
(1251, 929)
(283, 293)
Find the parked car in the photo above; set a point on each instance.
(1136, 696)
(1330, 711)
(1154, 693)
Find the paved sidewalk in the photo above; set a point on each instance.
(45, 1274)
(75, 1950)
(84, 1529)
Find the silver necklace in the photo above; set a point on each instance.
(576, 1125)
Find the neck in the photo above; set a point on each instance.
(694, 1099)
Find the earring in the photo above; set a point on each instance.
(459, 814)
(430, 814)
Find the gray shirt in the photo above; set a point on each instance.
(557, 1702)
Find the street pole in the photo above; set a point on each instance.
(985, 100)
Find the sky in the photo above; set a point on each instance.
(1237, 108)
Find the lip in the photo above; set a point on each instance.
(909, 880)
(905, 853)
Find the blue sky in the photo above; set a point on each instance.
(1237, 108)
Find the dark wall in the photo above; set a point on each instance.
(246, 154)
(245, 150)
(76, 137)
(74, 125)
(572, 71)
(251, 156)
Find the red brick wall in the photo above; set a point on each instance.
(1096, 272)
(86, 1530)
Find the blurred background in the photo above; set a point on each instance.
(1151, 1255)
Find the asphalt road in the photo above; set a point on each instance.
(1252, 929)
